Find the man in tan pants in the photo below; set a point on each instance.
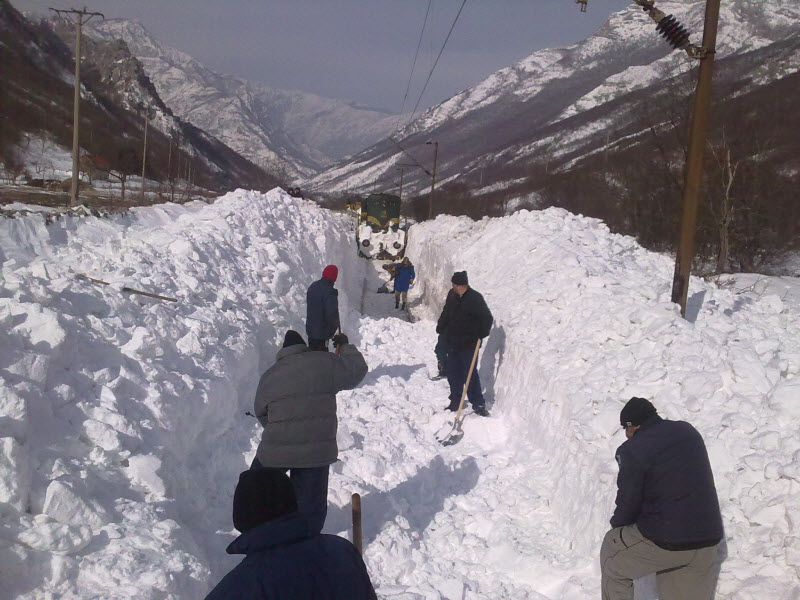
(667, 519)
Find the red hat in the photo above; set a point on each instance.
(330, 272)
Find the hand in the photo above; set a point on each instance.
(411, 283)
(340, 339)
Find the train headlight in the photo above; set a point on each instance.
(365, 243)
(397, 245)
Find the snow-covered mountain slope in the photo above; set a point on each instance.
(542, 107)
(271, 127)
(123, 426)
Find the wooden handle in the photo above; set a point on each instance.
(357, 522)
(469, 377)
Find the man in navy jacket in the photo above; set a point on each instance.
(322, 309)
(465, 319)
(667, 519)
(283, 560)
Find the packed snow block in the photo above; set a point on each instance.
(785, 399)
(66, 505)
(14, 473)
(102, 434)
(142, 471)
(41, 325)
(41, 532)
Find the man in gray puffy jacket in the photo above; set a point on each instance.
(296, 404)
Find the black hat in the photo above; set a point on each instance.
(292, 338)
(636, 412)
(460, 278)
(262, 495)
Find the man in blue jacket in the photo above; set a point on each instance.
(283, 559)
(667, 520)
(322, 309)
(403, 279)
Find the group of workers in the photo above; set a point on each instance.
(667, 519)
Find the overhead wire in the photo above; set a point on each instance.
(414, 64)
(436, 62)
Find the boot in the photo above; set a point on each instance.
(397, 304)
(404, 306)
(452, 407)
(480, 411)
(442, 370)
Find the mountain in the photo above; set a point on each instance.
(37, 100)
(278, 129)
(555, 107)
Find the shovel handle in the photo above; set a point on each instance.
(469, 377)
(357, 523)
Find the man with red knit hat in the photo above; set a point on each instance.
(322, 309)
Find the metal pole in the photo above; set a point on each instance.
(144, 150)
(73, 195)
(433, 179)
(694, 160)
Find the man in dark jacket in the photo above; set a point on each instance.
(283, 559)
(465, 319)
(403, 279)
(322, 309)
(296, 404)
(667, 520)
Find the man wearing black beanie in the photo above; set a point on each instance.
(283, 558)
(465, 320)
(667, 519)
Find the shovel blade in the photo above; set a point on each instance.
(454, 436)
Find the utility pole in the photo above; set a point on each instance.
(81, 14)
(144, 150)
(401, 183)
(694, 159)
(433, 178)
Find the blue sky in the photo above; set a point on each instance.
(360, 51)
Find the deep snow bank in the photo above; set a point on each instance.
(122, 426)
(583, 322)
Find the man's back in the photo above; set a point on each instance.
(322, 310)
(666, 486)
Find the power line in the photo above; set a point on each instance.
(436, 62)
(414, 64)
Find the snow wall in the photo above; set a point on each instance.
(118, 411)
(121, 416)
(584, 321)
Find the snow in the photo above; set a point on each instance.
(123, 428)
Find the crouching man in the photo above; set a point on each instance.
(284, 560)
(667, 520)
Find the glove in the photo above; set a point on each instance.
(340, 339)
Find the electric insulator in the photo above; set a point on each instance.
(673, 32)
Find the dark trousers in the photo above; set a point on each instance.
(311, 488)
(458, 362)
(440, 350)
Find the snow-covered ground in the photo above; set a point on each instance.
(122, 425)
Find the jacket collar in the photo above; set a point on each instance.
(290, 350)
(278, 532)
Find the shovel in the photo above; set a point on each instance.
(457, 433)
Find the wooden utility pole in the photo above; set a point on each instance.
(433, 179)
(694, 159)
(81, 14)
